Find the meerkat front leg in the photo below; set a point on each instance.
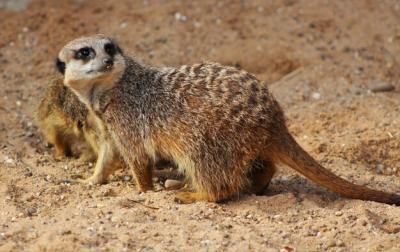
(107, 163)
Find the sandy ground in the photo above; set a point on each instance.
(321, 58)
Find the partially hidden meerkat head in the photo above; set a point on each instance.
(88, 63)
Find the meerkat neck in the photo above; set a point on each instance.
(138, 74)
(141, 82)
(93, 96)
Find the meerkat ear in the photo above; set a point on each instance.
(60, 66)
(119, 49)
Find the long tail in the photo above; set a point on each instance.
(292, 154)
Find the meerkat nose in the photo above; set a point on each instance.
(108, 62)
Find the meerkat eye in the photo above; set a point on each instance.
(110, 49)
(83, 53)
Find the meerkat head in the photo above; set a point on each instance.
(89, 63)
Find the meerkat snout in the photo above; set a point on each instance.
(108, 62)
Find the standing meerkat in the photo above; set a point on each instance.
(215, 122)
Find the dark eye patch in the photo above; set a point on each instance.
(110, 49)
(85, 53)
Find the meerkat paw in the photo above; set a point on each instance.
(189, 197)
(145, 188)
(87, 157)
(144, 184)
(61, 152)
(91, 181)
(59, 156)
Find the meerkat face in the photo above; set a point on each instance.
(90, 62)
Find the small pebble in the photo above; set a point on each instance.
(123, 25)
(332, 243)
(127, 178)
(180, 17)
(172, 184)
(316, 96)
(108, 192)
(339, 213)
(65, 232)
(91, 229)
(381, 87)
(380, 168)
(196, 24)
(8, 161)
(30, 211)
(340, 243)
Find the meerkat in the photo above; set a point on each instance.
(67, 124)
(214, 122)
(60, 116)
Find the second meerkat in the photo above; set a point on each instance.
(213, 121)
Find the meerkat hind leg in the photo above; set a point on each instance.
(190, 197)
(142, 172)
(261, 175)
(87, 155)
(61, 148)
(202, 195)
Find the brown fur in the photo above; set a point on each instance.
(67, 124)
(61, 116)
(215, 122)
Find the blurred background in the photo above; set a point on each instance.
(333, 65)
